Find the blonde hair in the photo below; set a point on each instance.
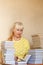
(11, 30)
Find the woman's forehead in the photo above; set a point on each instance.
(19, 27)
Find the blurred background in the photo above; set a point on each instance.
(30, 12)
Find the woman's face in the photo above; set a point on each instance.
(18, 30)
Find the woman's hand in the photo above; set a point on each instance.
(16, 58)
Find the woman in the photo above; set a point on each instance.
(21, 45)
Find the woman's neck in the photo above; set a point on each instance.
(16, 38)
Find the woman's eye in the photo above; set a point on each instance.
(20, 30)
(17, 29)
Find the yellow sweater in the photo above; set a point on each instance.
(21, 47)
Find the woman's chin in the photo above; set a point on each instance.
(18, 36)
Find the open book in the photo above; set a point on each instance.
(25, 60)
(27, 57)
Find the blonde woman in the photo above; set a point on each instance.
(21, 44)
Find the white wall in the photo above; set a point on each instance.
(30, 12)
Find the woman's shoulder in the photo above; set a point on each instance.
(23, 38)
(26, 42)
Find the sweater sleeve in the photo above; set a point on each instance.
(27, 47)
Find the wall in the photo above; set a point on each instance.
(30, 12)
